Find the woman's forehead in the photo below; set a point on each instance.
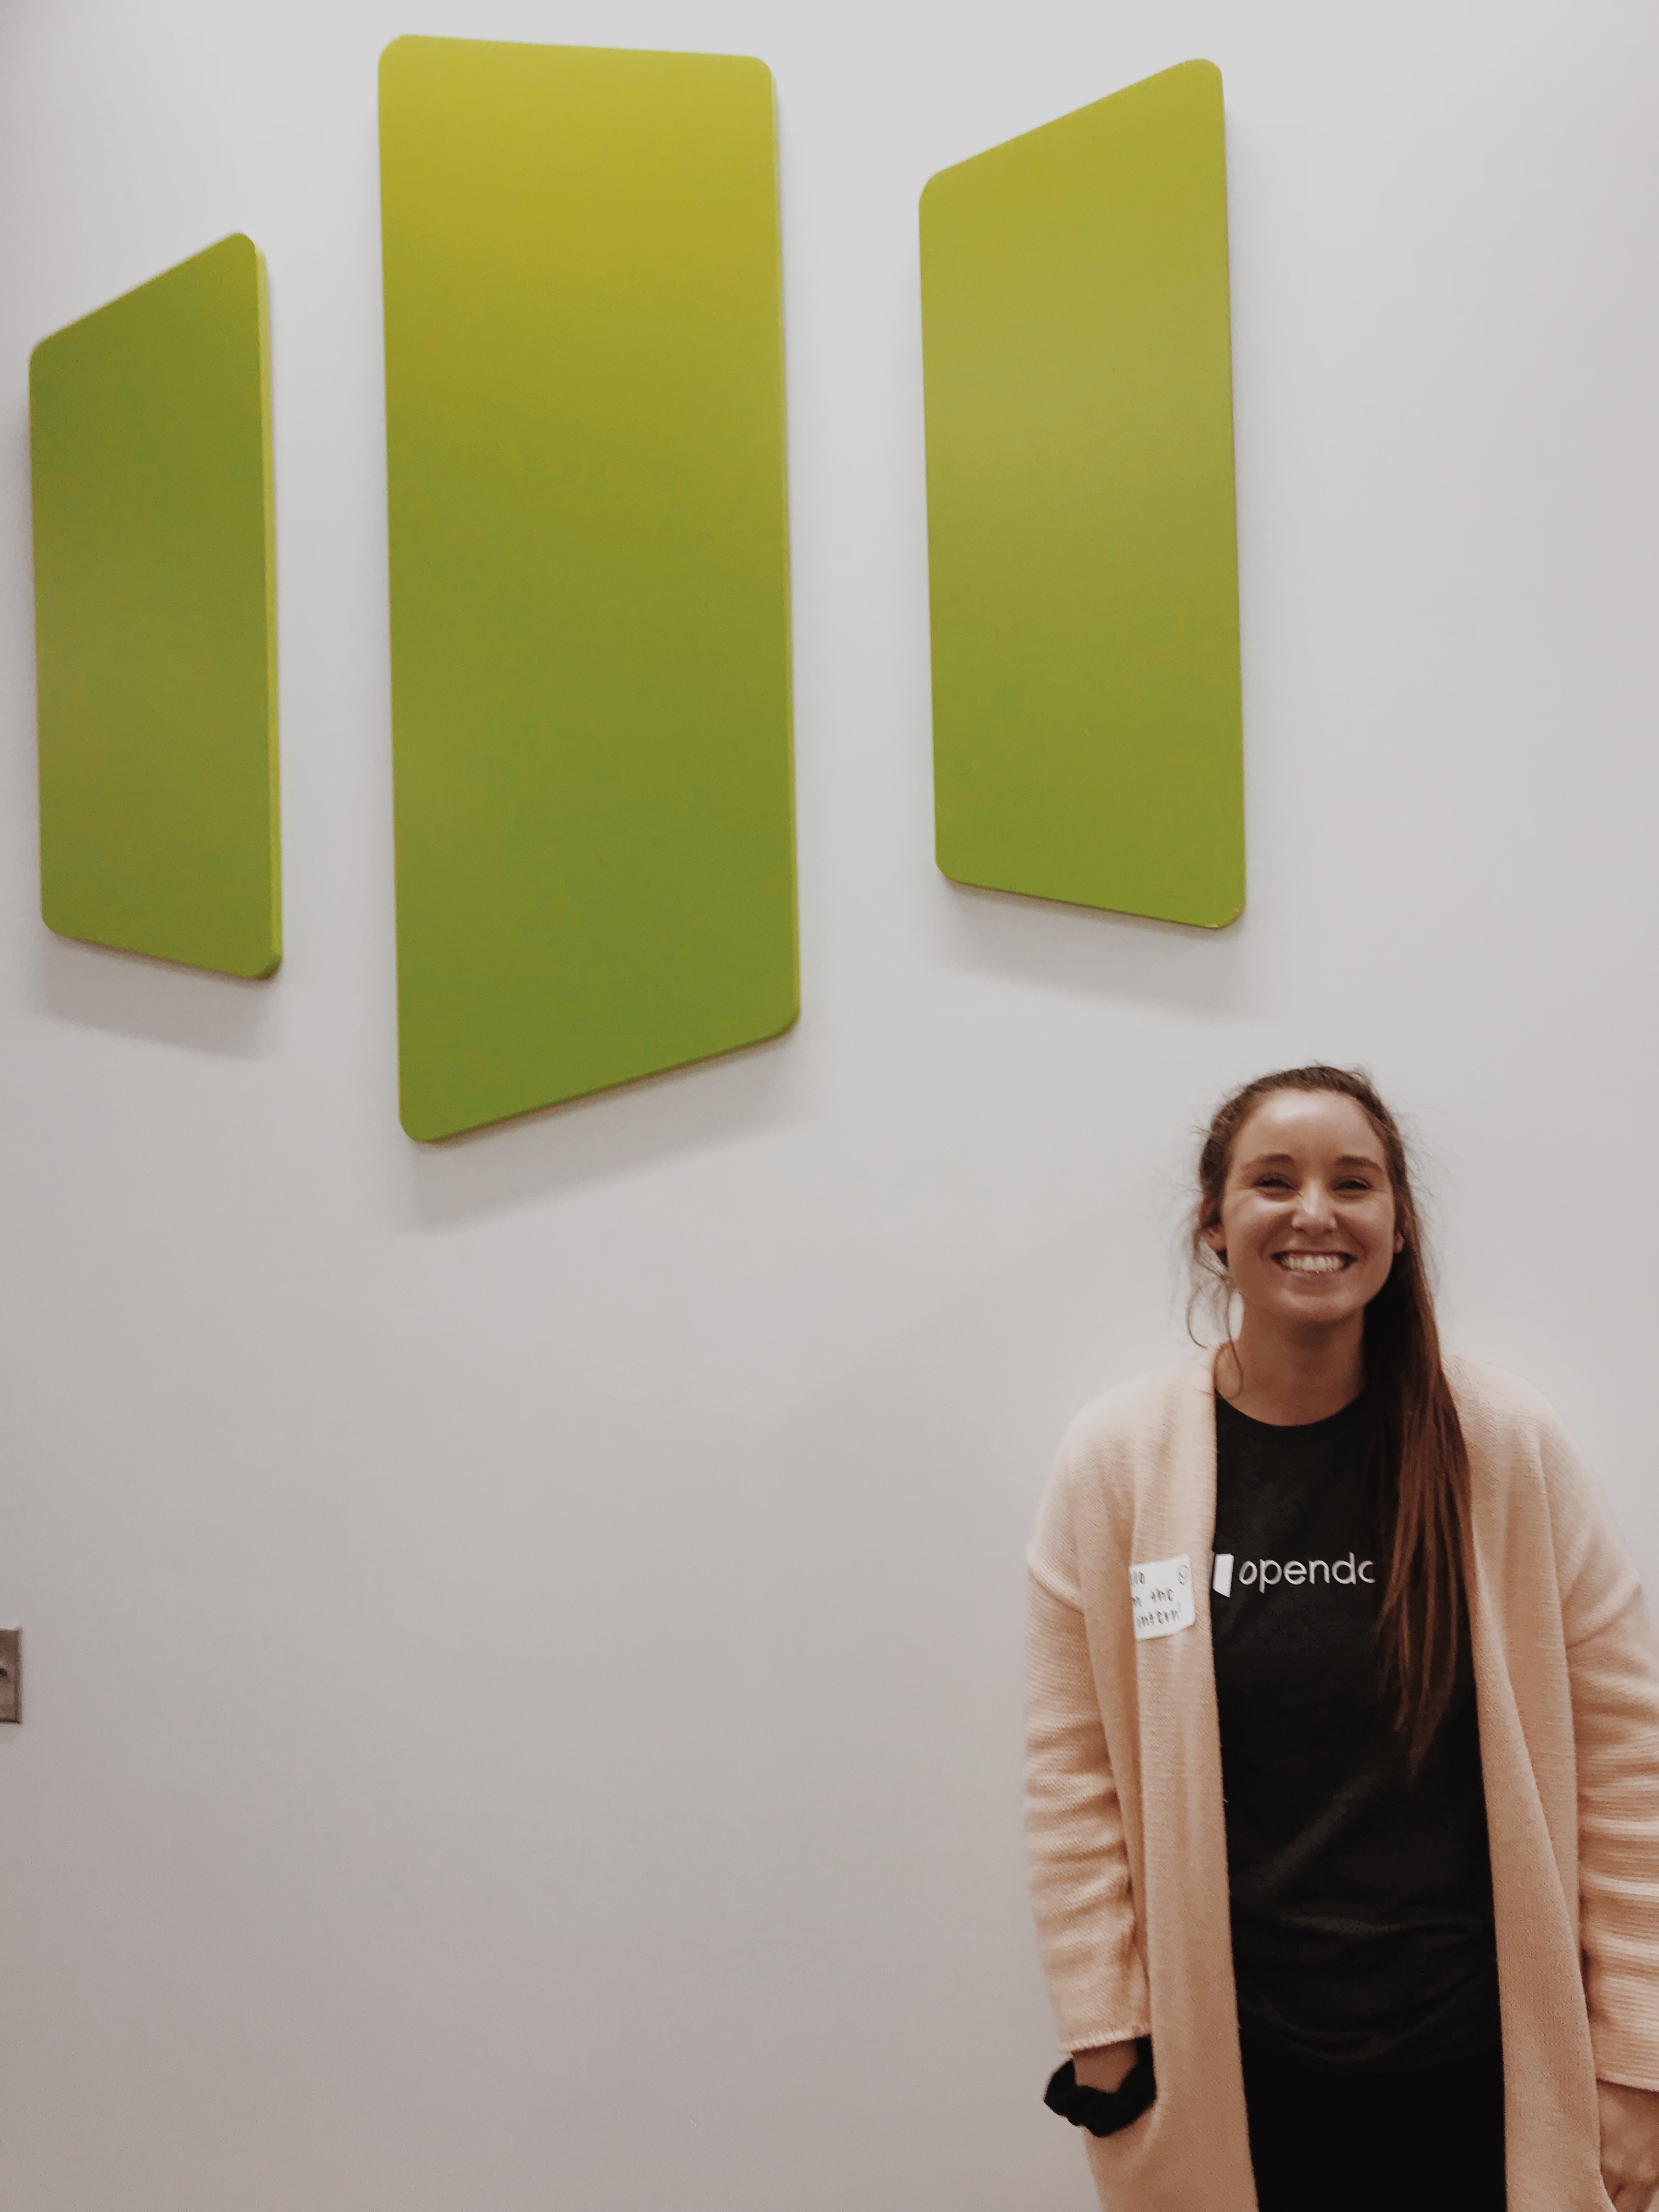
(1295, 1122)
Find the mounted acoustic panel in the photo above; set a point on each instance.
(590, 609)
(156, 619)
(1082, 550)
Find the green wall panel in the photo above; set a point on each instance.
(590, 642)
(155, 625)
(1082, 550)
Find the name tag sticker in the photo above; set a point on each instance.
(1161, 1593)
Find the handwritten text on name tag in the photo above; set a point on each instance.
(1162, 1595)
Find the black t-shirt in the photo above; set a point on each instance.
(1362, 1916)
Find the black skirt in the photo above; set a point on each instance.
(1431, 2140)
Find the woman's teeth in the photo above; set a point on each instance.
(1312, 1263)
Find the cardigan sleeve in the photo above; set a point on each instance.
(1614, 1682)
(1080, 1864)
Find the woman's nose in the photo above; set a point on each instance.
(1313, 1209)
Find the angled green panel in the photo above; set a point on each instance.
(155, 622)
(590, 642)
(1081, 544)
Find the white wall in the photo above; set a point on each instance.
(523, 1638)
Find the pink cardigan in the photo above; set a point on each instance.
(1123, 1798)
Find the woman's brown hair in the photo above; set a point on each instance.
(1423, 1462)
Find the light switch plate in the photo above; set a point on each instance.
(12, 1674)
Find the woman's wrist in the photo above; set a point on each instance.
(1105, 2065)
(1630, 2144)
(1097, 2090)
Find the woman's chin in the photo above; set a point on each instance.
(1323, 1305)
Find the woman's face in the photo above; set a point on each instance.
(1307, 1214)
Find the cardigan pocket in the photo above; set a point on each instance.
(1130, 2168)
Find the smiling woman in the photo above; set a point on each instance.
(1345, 1866)
(1306, 1211)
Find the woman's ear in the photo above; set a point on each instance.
(1399, 1242)
(1213, 1235)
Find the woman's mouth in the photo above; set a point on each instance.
(1313, 1263)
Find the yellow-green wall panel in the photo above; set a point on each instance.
(1082, 547)
(590, 643)
(154, 599)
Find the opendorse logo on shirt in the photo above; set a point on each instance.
(1267, 1574)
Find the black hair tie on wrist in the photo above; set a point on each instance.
(1104, 2111)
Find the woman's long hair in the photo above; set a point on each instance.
(1423, 1462)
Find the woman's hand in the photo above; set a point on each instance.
(1630, 2143)
(1107, 2063)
